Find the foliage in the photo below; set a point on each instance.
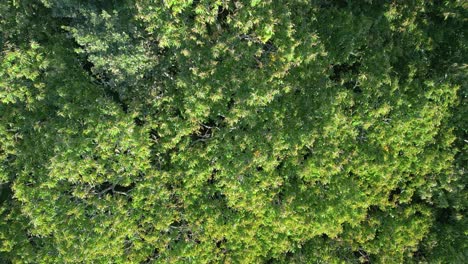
(196, 131)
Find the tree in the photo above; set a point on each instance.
(232, 131)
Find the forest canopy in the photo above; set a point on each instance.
(233, 131)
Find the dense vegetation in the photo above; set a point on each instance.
(233, 131)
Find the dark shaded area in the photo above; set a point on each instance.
(394, 194)
(103, 80)
(222, 16)
(6, 193)
(331, 3)
(348, 73)
(151, 258)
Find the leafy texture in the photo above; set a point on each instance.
(195, 131)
